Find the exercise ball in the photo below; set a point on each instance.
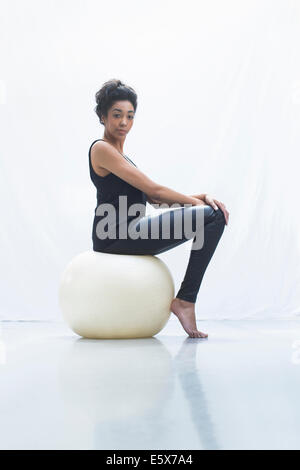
(105, 295)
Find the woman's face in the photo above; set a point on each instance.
(119, 118)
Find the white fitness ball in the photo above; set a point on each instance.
(105, 295)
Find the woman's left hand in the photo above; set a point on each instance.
(215, 204)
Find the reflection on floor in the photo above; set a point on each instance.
(238, 389)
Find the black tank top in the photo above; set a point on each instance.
(109, 188)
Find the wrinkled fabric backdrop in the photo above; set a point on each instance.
(218, 87)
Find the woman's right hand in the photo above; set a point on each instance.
(215, 204)
(200, 203)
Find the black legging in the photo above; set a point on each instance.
(213, 224)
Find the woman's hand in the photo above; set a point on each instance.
(214, 203)
(200, 202)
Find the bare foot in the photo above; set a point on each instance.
(185, 311)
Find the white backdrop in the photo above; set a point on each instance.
(218, 86)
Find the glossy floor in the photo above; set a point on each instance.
(238, 389)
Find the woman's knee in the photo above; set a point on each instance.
(218, 217)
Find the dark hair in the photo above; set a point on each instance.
(111, 91)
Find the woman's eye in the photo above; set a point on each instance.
(118, 115)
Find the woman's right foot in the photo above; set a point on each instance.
(185, 312)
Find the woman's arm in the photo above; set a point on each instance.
(156, 203)
(152, 201)
(169, 196)
(106, 156)
(200, 196)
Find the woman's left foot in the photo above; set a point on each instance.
(185, 312)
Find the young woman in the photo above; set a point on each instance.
(116, 176)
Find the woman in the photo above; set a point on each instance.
(116, 176)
